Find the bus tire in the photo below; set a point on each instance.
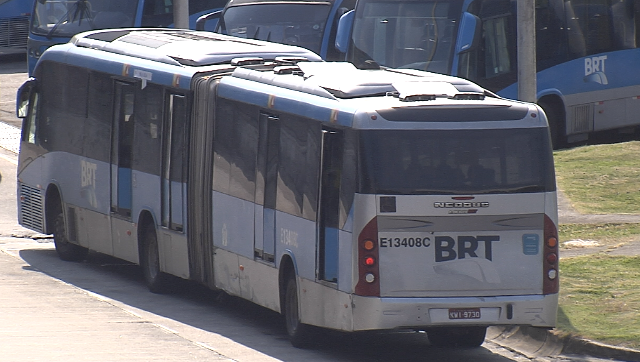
(465, 337)
(556, 122)
(66, 250)
(300, 334)
(157, 281)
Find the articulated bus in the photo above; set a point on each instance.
(56, 21)
(348, 199)
(587, 53)
(14, 26)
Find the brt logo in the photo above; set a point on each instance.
(467, 247)
(594, 64)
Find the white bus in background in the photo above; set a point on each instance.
(346, 199)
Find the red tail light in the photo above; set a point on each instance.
(550, 278)
(368, 270)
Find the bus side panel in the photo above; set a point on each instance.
(233, 224)
(345, 261)
(226, 271)
(81, 182)
(174, 254)
(124, 238)
(597, 92)
(259, 283)
(324, 306)
(298, 236)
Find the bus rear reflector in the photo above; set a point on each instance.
(368, 271)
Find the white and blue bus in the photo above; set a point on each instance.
(587, 53)
(14, 26)
(56, 21)
(346, 199)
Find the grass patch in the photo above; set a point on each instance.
(600, 298)
(601, 179)
(604, 234)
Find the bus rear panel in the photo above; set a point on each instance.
(462, 223)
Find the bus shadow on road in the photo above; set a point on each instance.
(235, 318)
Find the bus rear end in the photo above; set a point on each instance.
(456, 222)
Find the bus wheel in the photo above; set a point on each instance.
(300, 334)
(66, 250)
(157, 281)
(556, 124)
(466, 337)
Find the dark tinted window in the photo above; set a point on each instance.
(456, 162)
(97, 137)
(235, 148)
(148, 129)
(294, 24)
(298, 167)
(64, 107)
(405, 34)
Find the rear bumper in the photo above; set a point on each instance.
(417, 313)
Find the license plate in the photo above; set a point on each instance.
(464, 313)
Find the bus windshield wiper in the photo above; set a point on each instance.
(80, 10)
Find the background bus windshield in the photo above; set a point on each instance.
(407, 34)
(456, 162)
(65, 18)
(294, 24)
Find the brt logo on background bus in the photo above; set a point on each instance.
(594, 70)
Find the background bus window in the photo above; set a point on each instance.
(157, 13)
(411, 34)
(550, 35)
(595, 24)
(493, 63)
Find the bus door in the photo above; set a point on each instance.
(121, 147)
(173, 163)
(266, 187)
(329, 207)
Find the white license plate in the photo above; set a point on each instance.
(464, 313)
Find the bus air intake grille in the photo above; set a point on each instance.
(31, 208)
(14, 32)
(582, 119)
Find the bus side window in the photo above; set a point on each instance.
(29, 124)
(157, 13)
(624, 26)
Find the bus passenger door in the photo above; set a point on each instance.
(173, 163)
(121, 147)
(266, 188)
(329, 203)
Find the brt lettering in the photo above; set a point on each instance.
(445, 247)
(594, 64)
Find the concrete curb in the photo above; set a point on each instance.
(539, 342)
